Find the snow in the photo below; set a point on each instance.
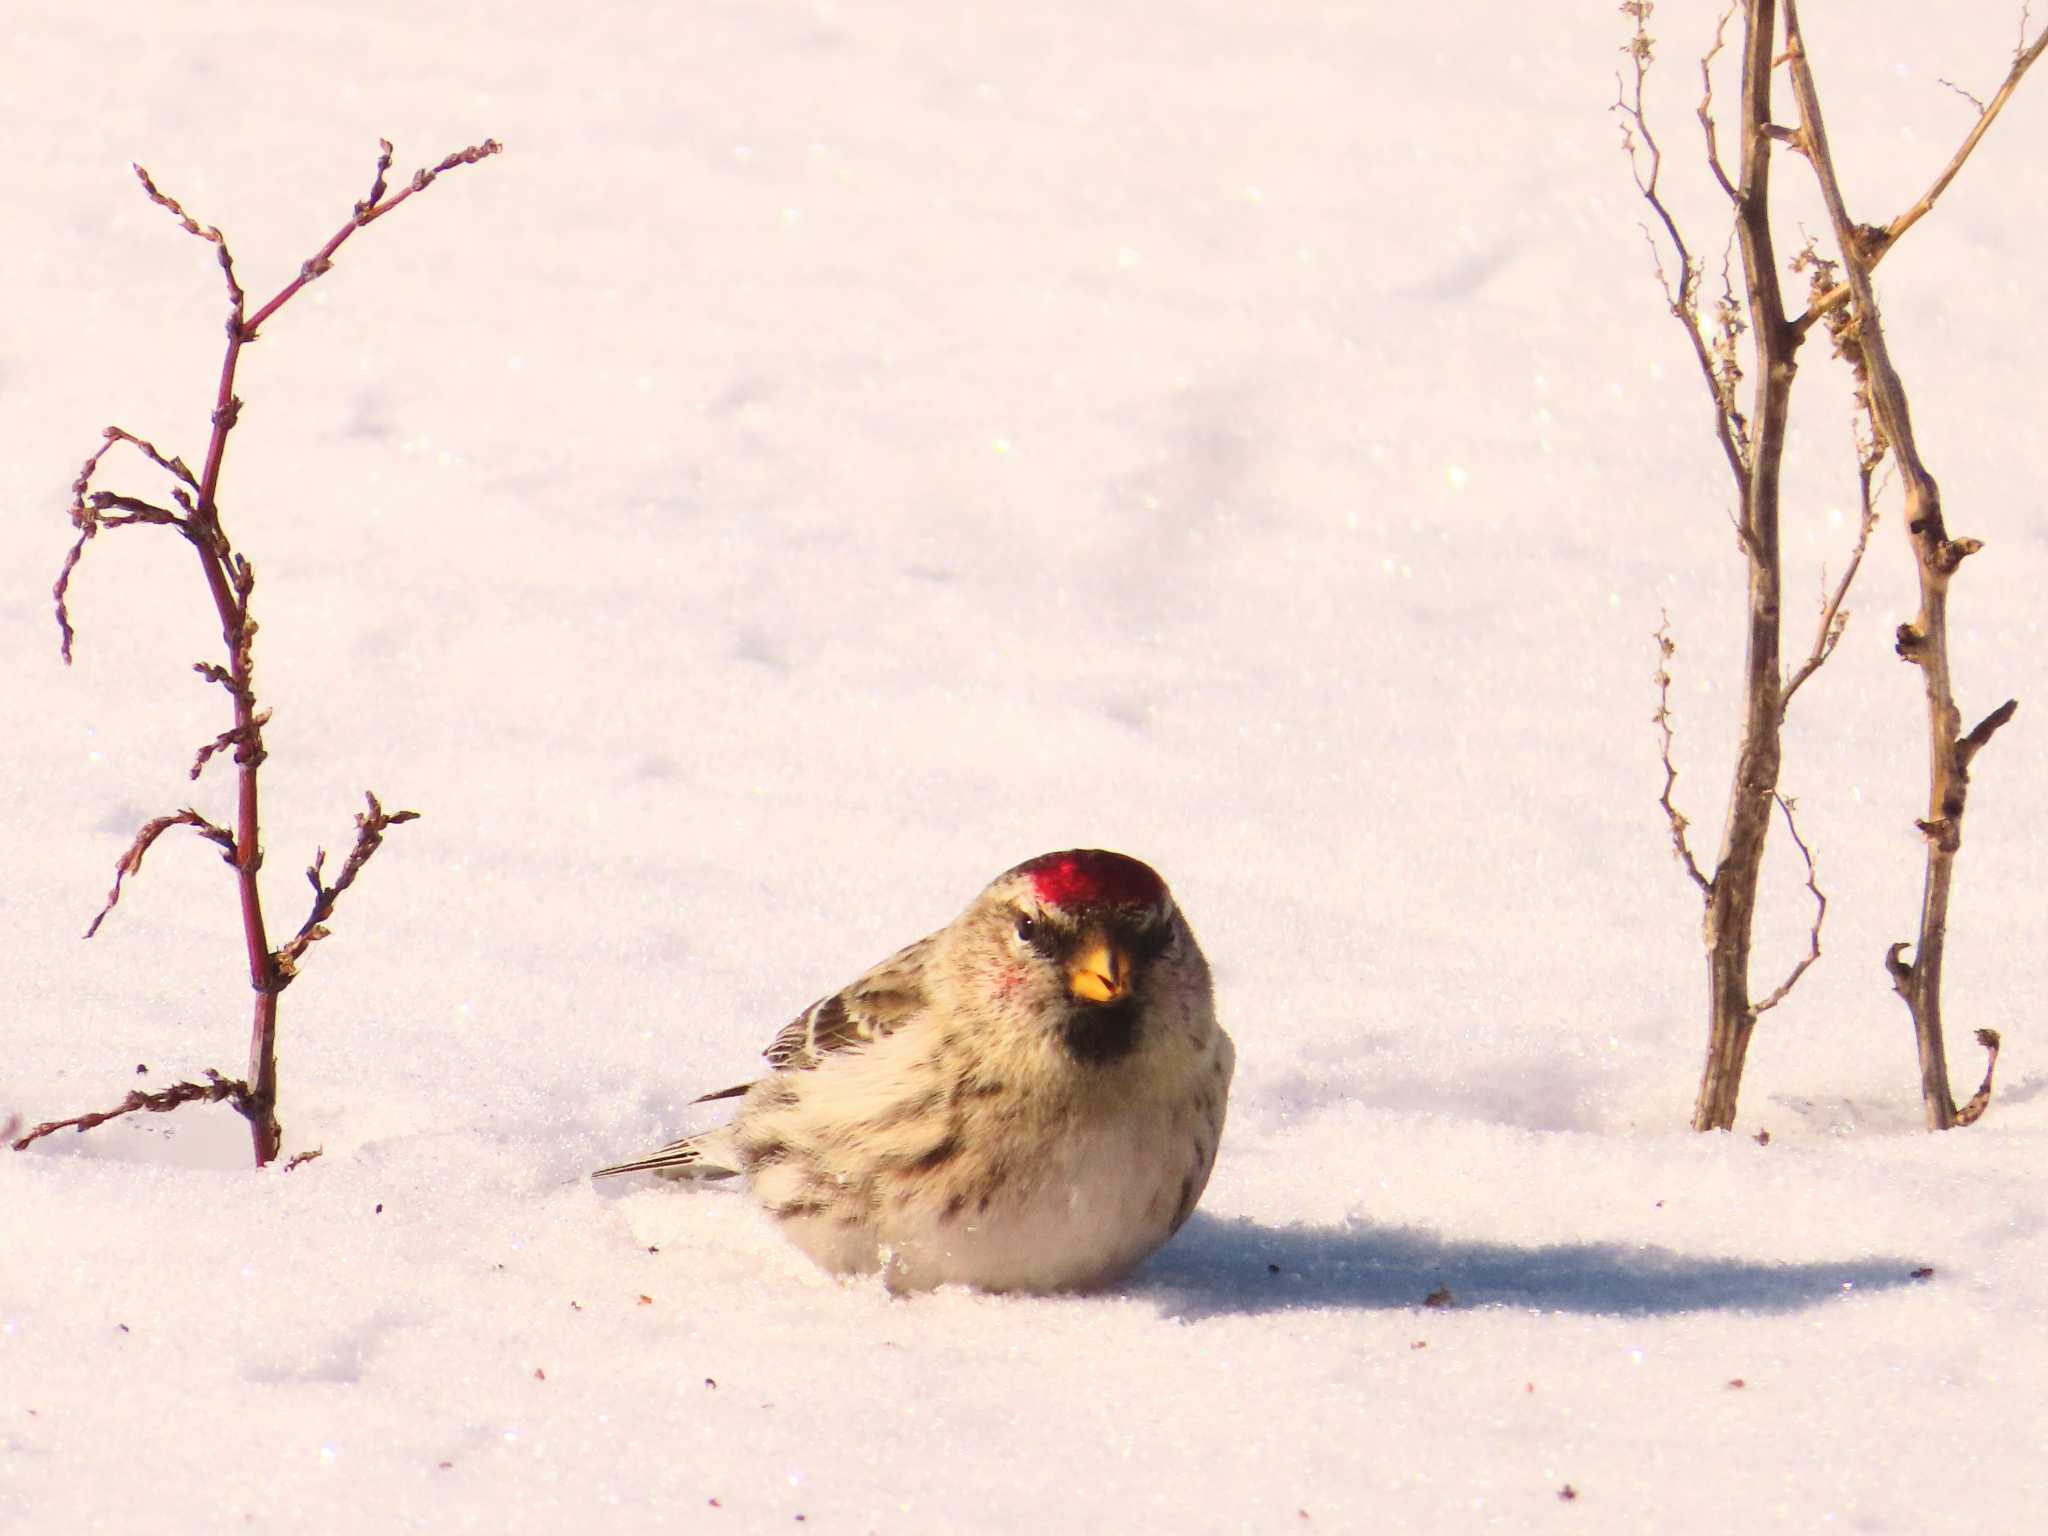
(838, 451)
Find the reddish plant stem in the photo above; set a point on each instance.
(229, 580)
(211, 543)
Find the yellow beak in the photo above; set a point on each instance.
(1100, 971)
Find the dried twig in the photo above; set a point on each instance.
(1834, 618)
(130, 862)
(1874, 244)
(1980, 1101)
(1750, 405)
(1924, 640)
(213, 1091)
(194, 514)
(1820, 915)
(370, 827)
(1646, 164)
(1681, 846)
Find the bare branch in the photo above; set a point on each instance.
(370, 827)
(1881, 241)
(1974, 101)
(375, 207)
(194, 512)
(1706, 106)
(173, 466)
(1681, 847)
(192, 226)
(213, 1091)
(246, 739)
(1646, 164)
(89, 509)
(1820, 913)
(1833, 617)
(131, 861)
(1924, 640)
(1980, 1101)
(1985, 729)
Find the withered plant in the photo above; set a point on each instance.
(1747, 335)
(191, 509)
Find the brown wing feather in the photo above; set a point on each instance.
(874, 1006)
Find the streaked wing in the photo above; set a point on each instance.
(879, 1003)
(876, 1005)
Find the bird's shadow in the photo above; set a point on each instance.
(1219, 1267)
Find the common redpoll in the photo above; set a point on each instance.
(1027, 1100)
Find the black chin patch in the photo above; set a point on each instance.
(1101, 1033)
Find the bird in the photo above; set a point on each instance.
(1029, 1099)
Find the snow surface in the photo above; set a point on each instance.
(840, 450)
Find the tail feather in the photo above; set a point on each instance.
(698, 1158)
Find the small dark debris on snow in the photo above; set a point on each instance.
(1763, 1138)
(1420, 1344)
(302, 1157)
(654, 1250)
(1924, 1272)
(1440, 1297)
(646, 1301)
(380, 1209)
(714, 1503)
(445, 1465)
(1567, 1493)
(122, 1326)
(539, 1374)
(141, 1069)
(710, 1383)
(1272, 1269)
(575, 1306)
(1736, 1384)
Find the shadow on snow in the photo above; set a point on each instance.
(1219, 1267)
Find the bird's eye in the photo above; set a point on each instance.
(1152, 942)
(1027, 927)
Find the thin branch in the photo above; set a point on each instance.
(213, 1091)
(89, 510)
(1820, 914)
(1706, 106)
(370, 827)
(372, 208)
(1878, 242)
(247, 740)
(1833, 617)
(173, 466)
(192, 226)
(131, 861)
(1970, 745)
(1980, 1101)
(1646, 164)
(1681, 846)
(1973, 100)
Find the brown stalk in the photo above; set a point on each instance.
(1752, 441)
(1924, 641)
